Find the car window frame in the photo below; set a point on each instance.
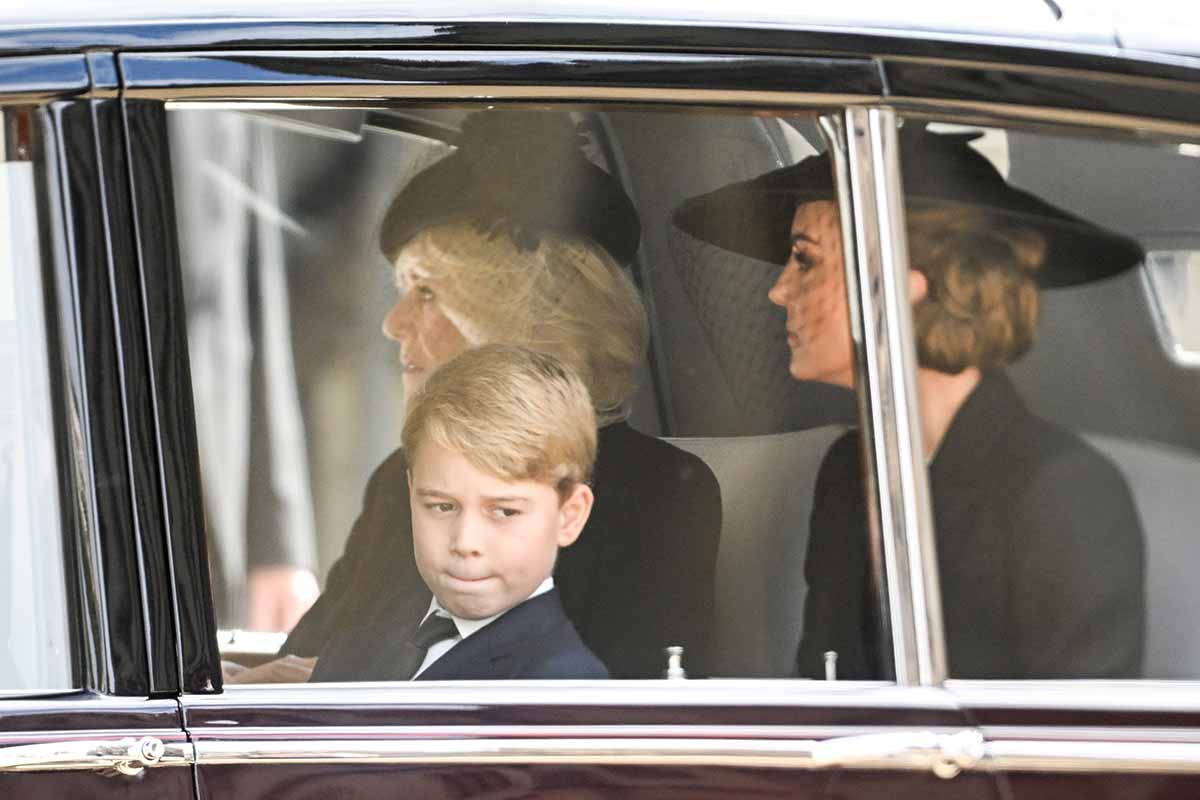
(119, 591)
(121, 618)
(225, 78)
(873, 206)
(1042, 692)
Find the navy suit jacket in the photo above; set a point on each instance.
(533, 640)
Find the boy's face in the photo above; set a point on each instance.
(483, 544)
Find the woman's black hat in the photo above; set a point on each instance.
(754, 217)
(518, 173)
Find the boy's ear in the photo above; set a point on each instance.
(573, 514)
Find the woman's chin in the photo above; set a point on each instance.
(805, 371)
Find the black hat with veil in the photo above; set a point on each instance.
(521, 173)
(754, 217)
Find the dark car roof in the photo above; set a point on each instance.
(1025, 18)
(1069, 23)
(1160, 35)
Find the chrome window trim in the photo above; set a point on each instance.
(32, 79)
(1108, 758)
(80, 701)
(1006, 114)
(876, 251)
(920, 652)
(366, 92)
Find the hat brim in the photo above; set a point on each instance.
(754, 218)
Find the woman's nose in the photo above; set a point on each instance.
(779, 293)
(395, 323)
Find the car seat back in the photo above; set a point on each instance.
(1165, 482)
(767, 485)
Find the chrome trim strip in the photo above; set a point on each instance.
(1093, 757)
(944, 754)
(317, 91)
(310, 94)
(861, 251)
(217, 731)
(28, 79)
(881, 263)
(1181, 697)
(127, 754)
(794, 754)
(920, 551)
(1091, 733)
(864, 322)
(651, 693)
(1000, 114)
(82, 701)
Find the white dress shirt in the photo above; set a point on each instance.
(466, 627)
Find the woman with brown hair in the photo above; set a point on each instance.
(1039, 546)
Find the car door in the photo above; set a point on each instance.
(1112, 362)
(90, 674)
(688, 738)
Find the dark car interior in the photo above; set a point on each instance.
(716, 381)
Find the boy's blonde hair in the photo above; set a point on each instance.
(567, 297)
(512, 412)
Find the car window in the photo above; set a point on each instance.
(1054, 307)
(33, 611)
(722, 378)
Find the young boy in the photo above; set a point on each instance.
(500, 444)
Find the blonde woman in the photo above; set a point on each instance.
(517, 239)
(1039, 546)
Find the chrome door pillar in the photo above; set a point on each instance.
(866, 161)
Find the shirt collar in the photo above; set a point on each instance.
(466, 627)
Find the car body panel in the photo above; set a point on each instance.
(131, 480)
(1099, 739)
(674, 739)
(83, 722)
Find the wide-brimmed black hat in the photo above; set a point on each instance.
(754, 217)
(520, 173)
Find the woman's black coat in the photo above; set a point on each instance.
(639, 577)
(1040, 553)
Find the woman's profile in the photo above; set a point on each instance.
(1039, 545)
(517, 238)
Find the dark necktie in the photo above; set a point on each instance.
(434, 629)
